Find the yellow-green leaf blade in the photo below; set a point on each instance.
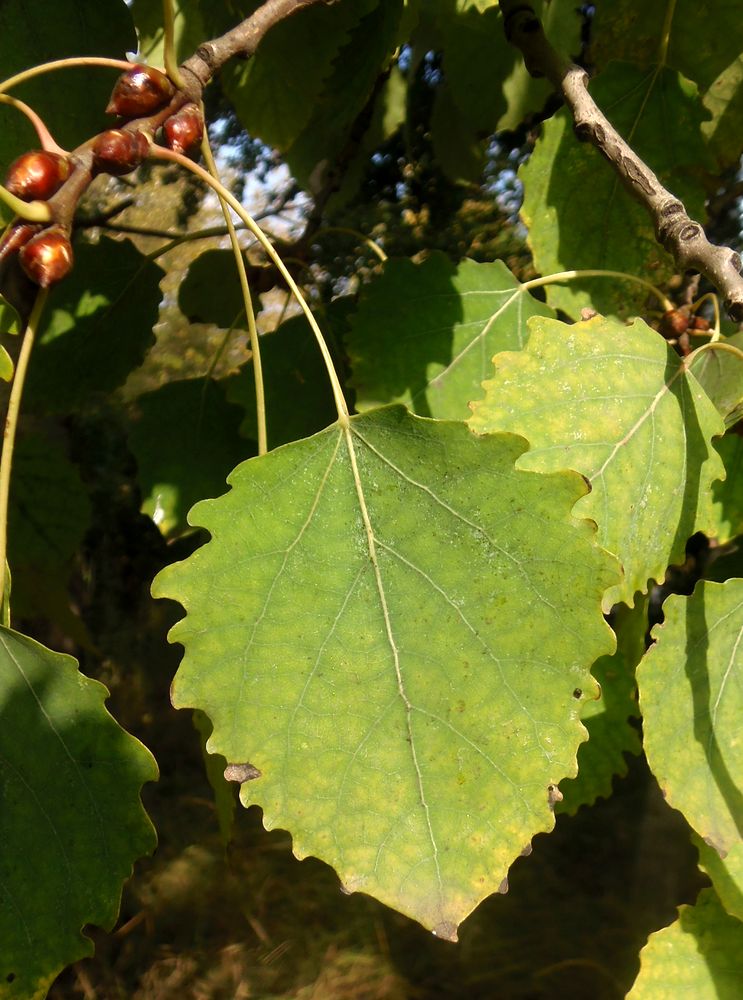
(424, 334)
(617, 405)
(406, 725)
(700, 956)
(691, 696)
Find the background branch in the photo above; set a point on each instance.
(675, 230)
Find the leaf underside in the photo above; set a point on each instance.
(356, 629)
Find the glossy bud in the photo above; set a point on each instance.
(119, 151)
(139, 92)
(184, 130)
(47, 258)
(16, 236)
(37, 175)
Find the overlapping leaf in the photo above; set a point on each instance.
(728, 495)
(276, 92)
(720, 374)
(342, 116)
(191, 460)
(609, 719)
(726, 874)
(96, 327)
(71, 823)
(618, 405)
(691, 696)
(699, 956)
(579, 215)
(355, 630)
(486, 86)
(424, 334)
(703, 42)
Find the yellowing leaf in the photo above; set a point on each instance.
(616, 404)
(356, 631)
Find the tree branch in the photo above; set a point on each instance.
(681, 236)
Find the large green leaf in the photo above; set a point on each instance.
(611, 720)
(691, 696)
(424, 334)
(487, 83)
(96, 327)
(567, 183)
(704, 42)
(355, 630)
(342, 117)
(72, 101)
(185, 437)
(276, 92)
(616, 404)
(71, 820)
(700, 956)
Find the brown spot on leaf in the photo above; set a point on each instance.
(241, 772)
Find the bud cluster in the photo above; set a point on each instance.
(45, 252)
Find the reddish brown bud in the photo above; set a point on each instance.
(700, 323)
(139, 92)
(47, 258)
(37, 175)
(183, 131)
(17, 236)
(118, 151)
(674, 323)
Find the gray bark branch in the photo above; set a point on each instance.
(683, 237)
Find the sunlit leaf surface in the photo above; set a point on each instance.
(355, 630)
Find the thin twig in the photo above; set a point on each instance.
(681, 236)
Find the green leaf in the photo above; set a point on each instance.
(343, 115)
(611, 734)
(190, 31)
(277, 91)
(578, 214)
(355, 631)
(48, 516)
(71, 823)
(726, 874)
(720, 374)
(691, 698)
(96, 326)
(196, 299)
(728, 495)
(6, 365)
(191, 460)
(71, 101)
(704, 43)
(616, 404)
(299, 400)
(424, 334)
(699, 956)
(489, 85)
